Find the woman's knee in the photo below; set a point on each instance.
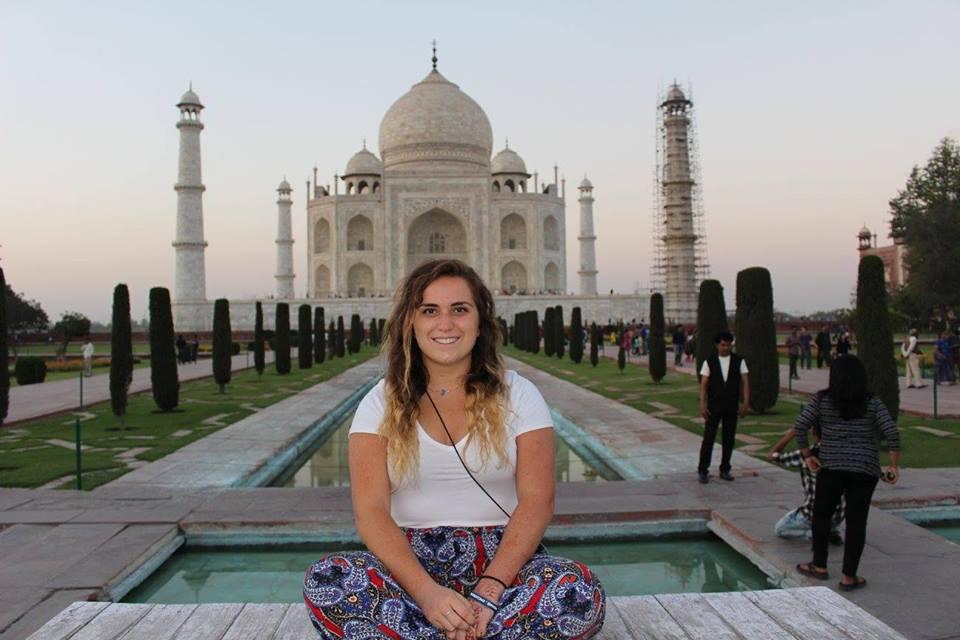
(347, 571)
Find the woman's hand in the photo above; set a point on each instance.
(891, 475)
(813, 463)
(492, 591)
(448, 611)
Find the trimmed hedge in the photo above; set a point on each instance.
(30, 370)
(164, 381)
(121, 353)
(259, 357)
(756, 336)
(304, 337)
(319, 337)
(282, 355)
(711, 319)
(576, 336)
(222, 343)
(874, 335)
(4, 353)
(657, 358)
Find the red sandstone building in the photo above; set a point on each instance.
(894, 267)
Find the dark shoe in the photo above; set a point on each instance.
(911, 386)
(856, 584)
(806, 568)
(836, 539)
(703, 476)
(725, 475)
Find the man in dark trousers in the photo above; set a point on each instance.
(723, 376)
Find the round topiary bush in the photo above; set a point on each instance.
(30, 370)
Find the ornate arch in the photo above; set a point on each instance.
(551, 234)
(513, 277)
(321, 236)
(551, 277)
(321, 282)
(359, 233)
(435, 234)
(513, 232)
(360, 280)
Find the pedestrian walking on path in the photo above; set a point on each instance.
(823, 346)
(910, 352)
(848, 464)
(806, 349)
(793, 351)
(944, 360)
(723, 376)
(87, 352)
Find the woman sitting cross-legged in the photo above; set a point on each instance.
(452, 476)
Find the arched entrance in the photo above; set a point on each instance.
(321, 282)
(513, 232)
(551, 277)
(435, 234)
(513, 277)
(359, 281)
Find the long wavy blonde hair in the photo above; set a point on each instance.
(407, 377)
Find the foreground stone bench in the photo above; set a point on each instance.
(803, 613)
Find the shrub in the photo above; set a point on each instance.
(259, 357)
(341, 338)
(121, 353)
(305, 333)
(874, 336)
(558, 337)
(282, 356)
(595, 339)
(30, 370)
(356, 333)
(533, 331)
(4, 353)
(332, 340)
(163, 351)
(657, 359)
(711, 319)
(756, 336)
(548, 332)
(576, 336)
(621, 354)
(222, 343)
(234, 348)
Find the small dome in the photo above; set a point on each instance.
(586, 184)
(675, 93)
(190, 99)
(865, 232)
(508, 161)
(364, 163)
(284, 186)
(435, 122)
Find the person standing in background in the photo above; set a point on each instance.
(806, 351)
(87, 352)
(910, 353)
(823, 346)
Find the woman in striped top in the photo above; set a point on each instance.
(848, 464)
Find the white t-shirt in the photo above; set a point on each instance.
(443, 494)
(87, 350)
(724, 367)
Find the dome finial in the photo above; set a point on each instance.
(364, 143)
(434, 59)
(507, 143)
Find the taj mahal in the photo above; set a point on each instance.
(436, 190)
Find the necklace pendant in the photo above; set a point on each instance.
(443, 392)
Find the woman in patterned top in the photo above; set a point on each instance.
(848, 464)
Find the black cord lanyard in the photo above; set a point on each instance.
(459, 457)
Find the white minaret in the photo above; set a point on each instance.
(284, 243)
(679, 235)
(588, 256)
(190, 281)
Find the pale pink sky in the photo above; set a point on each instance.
(810, 118)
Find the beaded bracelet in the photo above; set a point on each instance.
(494, 578)
(489, 604)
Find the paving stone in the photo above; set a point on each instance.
(32, 618)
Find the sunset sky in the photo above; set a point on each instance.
(810, 117)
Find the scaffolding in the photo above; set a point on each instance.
(658, 268)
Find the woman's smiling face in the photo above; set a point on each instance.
(447, 323)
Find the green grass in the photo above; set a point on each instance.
(101, 349)
(680, 391)
(27, 459)
(53, 376)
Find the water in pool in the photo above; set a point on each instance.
(198, 575)
(328, 465)
(951, 533)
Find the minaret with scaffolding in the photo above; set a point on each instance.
(680, 250)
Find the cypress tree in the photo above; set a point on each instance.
(4, 354)
(558, 335)
(282, 358)
(163, 356)
(381, 324)
(515, 336)
(534, 332)
(356, 333)
(595, 338)
(711, 319)
(222, 343)
(341, 346)
(319, 339)
(332, 340)
(548, 332)
(657, 358)
(874, 335)
(304, 337)
(259, 357)
(756, 336)
(576, 336)
(504, 332)
(121, 353)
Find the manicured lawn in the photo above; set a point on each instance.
(40, 452)
(676, 399)
(64, 375)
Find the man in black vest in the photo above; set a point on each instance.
(723, 375)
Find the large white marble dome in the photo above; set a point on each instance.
(435, 122)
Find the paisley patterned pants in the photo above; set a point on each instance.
(351, 595)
